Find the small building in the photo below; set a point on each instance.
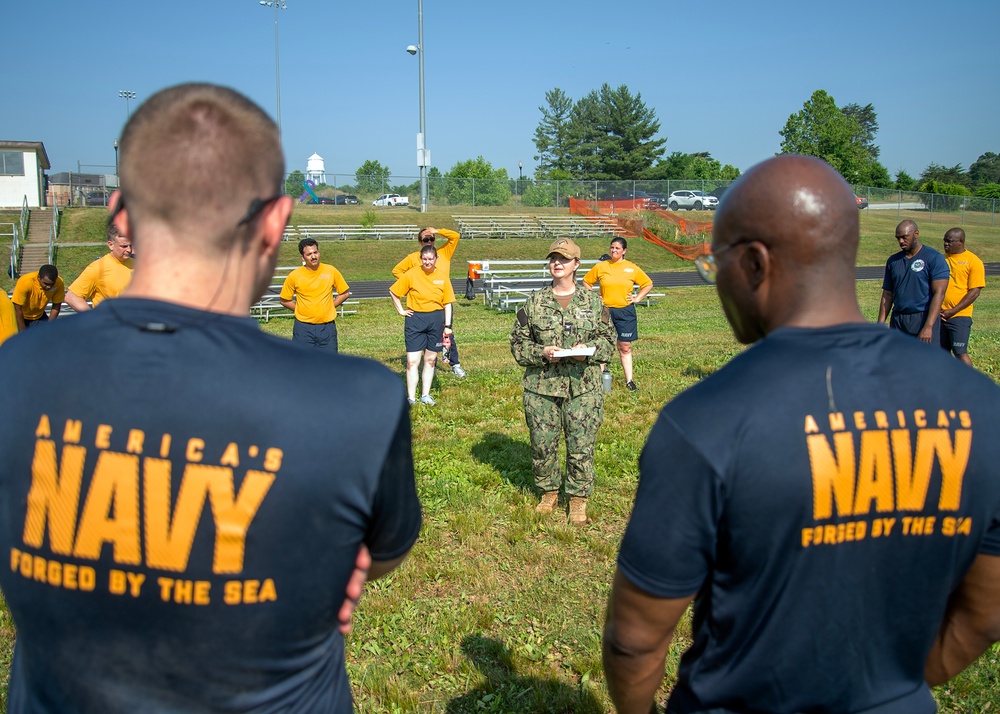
(69, 188)
(22, 167)
(316, 169)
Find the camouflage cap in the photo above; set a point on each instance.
(566, 248)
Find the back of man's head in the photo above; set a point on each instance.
(193, 157)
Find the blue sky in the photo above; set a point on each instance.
(722, 76)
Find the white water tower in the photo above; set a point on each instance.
(316, 169)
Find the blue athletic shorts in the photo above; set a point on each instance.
(625, 322)
(955, 334)
(912, 322)
(424, 331)
(322, 336)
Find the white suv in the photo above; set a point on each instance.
(692, 200)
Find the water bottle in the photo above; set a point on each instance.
(606, 379)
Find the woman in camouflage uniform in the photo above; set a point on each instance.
(563, 394)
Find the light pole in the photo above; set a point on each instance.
(116, 165)
(127, 95)
(277, 5)
(423, 153)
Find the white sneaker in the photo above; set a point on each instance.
(411, 401)
(458, 371)
(428, 400)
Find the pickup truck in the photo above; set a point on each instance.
(391, 199)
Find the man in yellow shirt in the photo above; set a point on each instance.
(106, 277)
(428, 236)
(8, 320)
(968, 278)
(617, 277)
(33, 292)
(309, 292)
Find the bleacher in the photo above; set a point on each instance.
(327, 232)
(508, 283)
(583, 227)
(499, 227)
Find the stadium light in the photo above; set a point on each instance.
(127, 95)
(277, 5)
(423, 153)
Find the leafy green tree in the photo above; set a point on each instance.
(985, 169)
(607, 134)
(988, 190)
(539, 194)
(944, 175)
(490, 188)
(868, 121)
(821, 129)
(372, 177)
(948, 195)
(699, 165)
(294, 184)
(437, 190)
(552, 135)
(904, 182)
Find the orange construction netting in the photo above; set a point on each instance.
(612, 209)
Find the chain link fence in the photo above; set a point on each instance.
(524, 195)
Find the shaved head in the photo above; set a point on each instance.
(193, 157)
(786, 241)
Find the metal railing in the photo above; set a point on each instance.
(15, 247)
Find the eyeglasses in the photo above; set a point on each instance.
(706, 265)
(256, 206)
(427, 239)
(555, 258)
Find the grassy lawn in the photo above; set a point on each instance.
(498, 609)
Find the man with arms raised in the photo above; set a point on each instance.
(309, 293)
(173, 546)
(106, 277)
(967, 279)
(835, 521)
(913, 287)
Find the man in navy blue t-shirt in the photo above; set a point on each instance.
(914, 285)
(187, 534)
(835, 521)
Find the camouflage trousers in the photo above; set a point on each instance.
(578, 418)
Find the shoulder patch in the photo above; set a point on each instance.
(522, 317)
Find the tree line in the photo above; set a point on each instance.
(610, 134)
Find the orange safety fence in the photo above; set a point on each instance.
(611, 209)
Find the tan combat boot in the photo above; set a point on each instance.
(577, 511)
(548, 502)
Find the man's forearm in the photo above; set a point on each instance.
(76, 302)
(884, 306)
(632, 679)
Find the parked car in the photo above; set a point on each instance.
(645, 199)
(659, 199)
(347, 200)
(692, 201)
(391, 199)
(861, 201)
(325, 201)
(96, 198)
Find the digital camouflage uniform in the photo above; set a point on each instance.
(564, 396)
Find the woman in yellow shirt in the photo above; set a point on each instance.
(429, 297)
(617, 277)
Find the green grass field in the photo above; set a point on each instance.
(498, 609)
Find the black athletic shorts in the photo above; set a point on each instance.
(913, 322)
(955, 334)
(424, 331)
(625, 322)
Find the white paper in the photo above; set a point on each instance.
(577, 352)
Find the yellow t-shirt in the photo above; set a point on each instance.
(28, 293)
(424, 292)
(104, 278)
(616, 281)
(313, 292)
(967, 272)
(445, 254)
(8, 320)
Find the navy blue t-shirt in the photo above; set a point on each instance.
(182, 498)
(822, 494)
(909, 279)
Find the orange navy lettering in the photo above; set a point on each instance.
(876, 467)
(127, 505)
